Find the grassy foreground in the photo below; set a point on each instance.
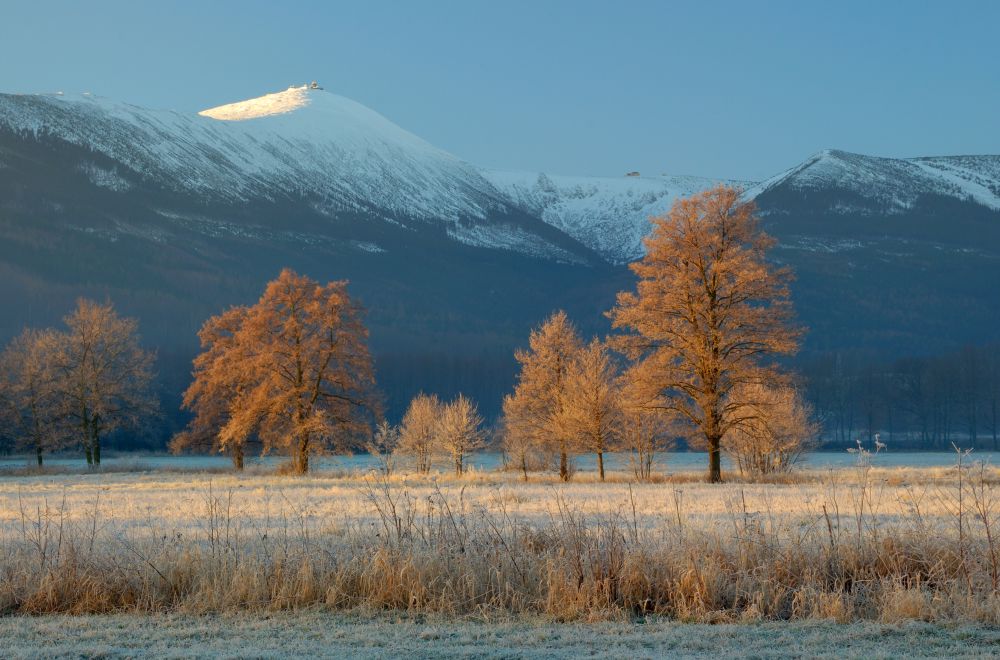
(321, 634)
(850, 546)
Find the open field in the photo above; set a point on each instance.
(864, 543)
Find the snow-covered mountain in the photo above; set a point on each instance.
(891, 185)
(340, 158)
(302, 144)
(175, 215)
(610, 215)
(297, 142)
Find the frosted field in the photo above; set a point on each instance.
(173, 495)
(183, 558)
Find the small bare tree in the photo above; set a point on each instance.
(382, 446)
(418, 430)
(460, 431)
(775, 426)
(647, 427)
(591, 413)
(520, 449)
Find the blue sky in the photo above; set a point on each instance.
(729, 89)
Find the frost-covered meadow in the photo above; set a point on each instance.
(851, 544)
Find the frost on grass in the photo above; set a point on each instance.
(857, 545)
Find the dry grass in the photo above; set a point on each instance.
(862, 544)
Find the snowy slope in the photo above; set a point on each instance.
(892, 185)
(340, 158)
(297, 142)
(611, 215)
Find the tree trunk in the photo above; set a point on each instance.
(301, 463)
(458, 465)
(563, 465)
(524, 466)
(238, 457)
(86, 438)
(95, 445)
(600, 464)
(38, 453)
(714, 459)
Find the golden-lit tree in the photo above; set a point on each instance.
(535, 410)
(293, 370)
(591, 413)
(418, 430)
(521, 451)
(646, 427)
(707, 314)
(459, 431)
(103, 376)
(29, 403)
(219, 379)
(382, 447)
(777, 427)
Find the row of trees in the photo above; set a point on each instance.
(73, 386)
(573, 398)
(698, 335)
(926, 402)
(292, 373)
(432, 428)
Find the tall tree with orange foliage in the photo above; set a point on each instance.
(536, 408)
(707, 314)
(293, 370)
(219, 380)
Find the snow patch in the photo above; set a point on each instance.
(104, 178)
(609, 215)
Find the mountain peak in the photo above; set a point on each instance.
(277, 103)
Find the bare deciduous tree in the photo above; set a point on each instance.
(460, 431)
(707, 312)
(520, 449)
(418, 430)
(303, 378)
(535, 410)
(777, 427)
(382, 446)
(103, 376)
(646, 427)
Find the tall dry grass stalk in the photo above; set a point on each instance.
(438, 550)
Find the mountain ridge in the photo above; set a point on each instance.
(178, 215)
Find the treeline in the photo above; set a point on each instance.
(915, 402)
(694, 355)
